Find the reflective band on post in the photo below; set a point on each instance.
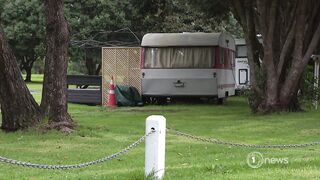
(111, 91)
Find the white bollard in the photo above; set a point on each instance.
(155, 146)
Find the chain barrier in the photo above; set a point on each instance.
(141, 140)
(77, 166)
(227, 143)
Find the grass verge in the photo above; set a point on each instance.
(101, 131)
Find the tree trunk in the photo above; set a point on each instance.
(19, 109)
(27, 64)
(91, 64)
(92, 67)
(290, 32)
(28, 73)
(54, 97)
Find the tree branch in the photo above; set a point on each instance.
(313, 44)
(300, 30)
(239, 11)
(272, 19)
(313, 17)
(262, 11)
(299, 62)
(285, 49)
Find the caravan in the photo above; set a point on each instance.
(187, 64)
(242, 69)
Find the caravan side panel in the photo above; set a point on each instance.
(226, 82)
(242, 73)
(188, 82)
(179, 82)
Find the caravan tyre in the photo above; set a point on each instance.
(221, 101)
(161, 101)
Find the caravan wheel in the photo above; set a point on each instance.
(221, 101)
(161, 101)
(146, 100)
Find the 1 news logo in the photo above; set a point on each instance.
(256, 160)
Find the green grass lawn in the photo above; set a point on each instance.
(101, 131)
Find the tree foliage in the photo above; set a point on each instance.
(95, 19)
(183, 16)
(88, 18)
(24, 28)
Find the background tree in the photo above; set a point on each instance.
(54, 95)
(18, 108)
(24, 27)
(149, 16)
(288, 35)
(87, 19)
(182, 16)
(290, 32)
(98, 21)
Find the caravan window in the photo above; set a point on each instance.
(232, 58)
(241, 51)
(222, 56)
(179, 57)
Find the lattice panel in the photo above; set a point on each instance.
(134, 69)
(124, 65)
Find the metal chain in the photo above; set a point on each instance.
(76, 166)
(227, 143)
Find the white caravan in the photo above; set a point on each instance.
(242, 69)
(187, 64)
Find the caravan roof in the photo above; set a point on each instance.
(188, 39)
(240, 41)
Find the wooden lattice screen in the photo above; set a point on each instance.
(123, 63)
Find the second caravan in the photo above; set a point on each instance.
(187, 64)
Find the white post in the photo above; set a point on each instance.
(155, 146)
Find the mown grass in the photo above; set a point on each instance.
(101, 131)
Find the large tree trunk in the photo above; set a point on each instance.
(54, 97)
(290, 32)
(19, 109)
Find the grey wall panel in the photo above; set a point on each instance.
(179, 82)
(187, 82)
(179, 87)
